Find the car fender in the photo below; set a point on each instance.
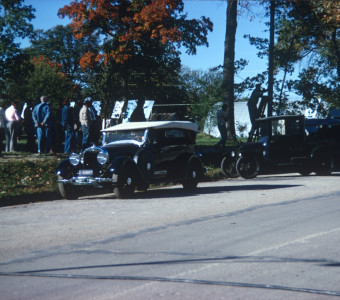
(120, 162)
(123, 162)
(196, 160)
(65, 168)
(145, 162)
(319, 149)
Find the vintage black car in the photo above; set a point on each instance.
(282, 144)
(132, 156)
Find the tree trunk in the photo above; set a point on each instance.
(229, 67)
(271, 59)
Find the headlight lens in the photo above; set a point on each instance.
(74, 159)
(102, 157)
(233, 154)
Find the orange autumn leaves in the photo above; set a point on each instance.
(125, 23)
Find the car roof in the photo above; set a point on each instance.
(153, 124)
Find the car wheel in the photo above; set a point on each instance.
(191, 182)
(304, 171)
(247, 167)
(126, 185)
(143, 187)
(228, 166)
(67, 191)
(322, 163)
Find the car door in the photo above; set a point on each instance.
(286, 140)
(168, 144)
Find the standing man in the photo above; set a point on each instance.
(68, 123)
(2, 127)
(41, 117)
(222, 125)
(12, 118)
(85, 122)
(252, 103)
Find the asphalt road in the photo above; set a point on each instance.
(274, 237)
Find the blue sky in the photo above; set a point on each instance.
(207, 57)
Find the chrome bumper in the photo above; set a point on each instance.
(86, 181)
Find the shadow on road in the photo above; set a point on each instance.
(171, 192)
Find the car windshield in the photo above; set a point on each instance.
(124, 135)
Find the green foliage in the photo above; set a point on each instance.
(47, 79)
(60, 46)
(15, 24)
(204, 90)
(311, 31)
(27, 176)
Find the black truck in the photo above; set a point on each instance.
(281, 144)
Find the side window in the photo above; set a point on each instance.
(294, 128)
(278, 128)
(156, 136)
(175, 136)
(289, 128)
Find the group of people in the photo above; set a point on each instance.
(79, 125)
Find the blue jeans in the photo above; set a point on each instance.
(44, 136)
(86, 136)
(69, 139)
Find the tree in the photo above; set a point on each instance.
(203, 90)
(60, 46)
(14, 24)
(315, 26)
(140, 40)
(47, 79)
(229, 66)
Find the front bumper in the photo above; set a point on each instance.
(86, 181)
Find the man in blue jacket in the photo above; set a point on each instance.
(68, 122)
(41, 117)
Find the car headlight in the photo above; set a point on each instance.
(102, 157)
(233, 154)
(74, 159)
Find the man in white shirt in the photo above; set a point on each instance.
(12, 118)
